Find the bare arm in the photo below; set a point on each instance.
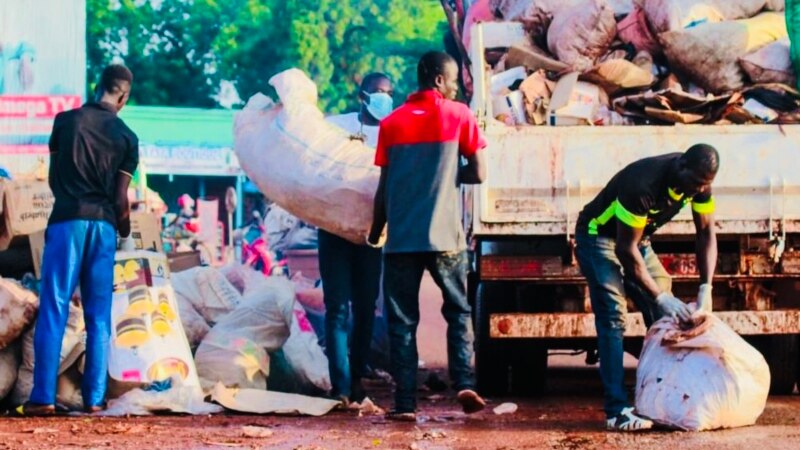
(379, 209)
(706, 246)
(475, 170)
(627, 251)
(122, 206)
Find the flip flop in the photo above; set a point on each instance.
(34, 410)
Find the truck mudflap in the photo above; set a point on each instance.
(571, 325)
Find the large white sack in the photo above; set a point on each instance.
(18, 307)
(672, 15)
(582, 33)
(73, 345)
(306, 165)
(194, 325)
(702, 379)
(9, 364)
(536, 15)
(208, 290)
(710, 53)
(235, 350)
(305, 356)
(770, 64)
(68, 388)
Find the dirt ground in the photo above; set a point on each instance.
(569, 417)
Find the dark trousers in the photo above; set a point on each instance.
(608, 289)
(401, 282)
(350, 275)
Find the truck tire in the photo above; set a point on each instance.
(781, 352)
(529, 369)
(491, 362)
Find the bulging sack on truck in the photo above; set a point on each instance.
(306, 165)
(710, 53)
(582, 33)
(18, 307)
(634, 30)
(770, 64)
(148, 342)
(209, 291)
(235, 350)
(673, 15)
(703, 378)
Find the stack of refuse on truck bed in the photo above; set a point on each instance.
(636, 62)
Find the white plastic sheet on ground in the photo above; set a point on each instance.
(304, 164)
(704, 378)
(179, 398)
(267, 402)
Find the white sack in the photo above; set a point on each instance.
(710, 53)
(306, 165)
(305, 356)
(581, 34)
(9, 365)
(73, 345)
(211, 294)
(194, 325)
(235, 350)
(672, 15)
(770, 64)
(701, 379)
(68, 388)
(18, 307)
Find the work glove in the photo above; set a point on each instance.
(704, 298)
(126, 244)
(673, 307)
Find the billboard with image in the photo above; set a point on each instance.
(42, 72)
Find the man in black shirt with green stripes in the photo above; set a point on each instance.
(613, 250)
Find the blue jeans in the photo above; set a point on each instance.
(402, 277)
(607, 289)
(77, 252)
(350, 274)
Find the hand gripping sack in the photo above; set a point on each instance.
(306, 165)
(703, 378)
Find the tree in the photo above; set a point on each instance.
(181, 50)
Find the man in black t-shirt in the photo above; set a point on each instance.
(93, 155)
(613, 250)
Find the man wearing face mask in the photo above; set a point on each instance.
(613, 250)
(418, 201)
(351, 273)
(93, 156)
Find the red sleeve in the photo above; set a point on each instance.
(382, 151)
(471, 139)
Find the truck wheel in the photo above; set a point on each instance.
(529, 368)
(491, 364)
(782, 355)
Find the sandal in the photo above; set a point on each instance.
(626, 420)
(36, 410)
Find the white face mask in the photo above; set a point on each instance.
(379, 104)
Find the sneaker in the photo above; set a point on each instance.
(470, 401)
(400, 416)
(626, 420)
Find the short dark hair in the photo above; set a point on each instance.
(430, 66)
(702, 158)
(372, 79)
(112, 78)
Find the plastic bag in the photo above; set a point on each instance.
(770, 64)
(704, 378)
(305, 164)
(209, 291)
(18, 307)
(194, 325)
(710, 53)
(305, 356)
(235, 350)
(582, 33)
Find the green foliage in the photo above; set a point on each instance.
(180, 50)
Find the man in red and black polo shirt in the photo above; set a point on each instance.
(420, 146)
